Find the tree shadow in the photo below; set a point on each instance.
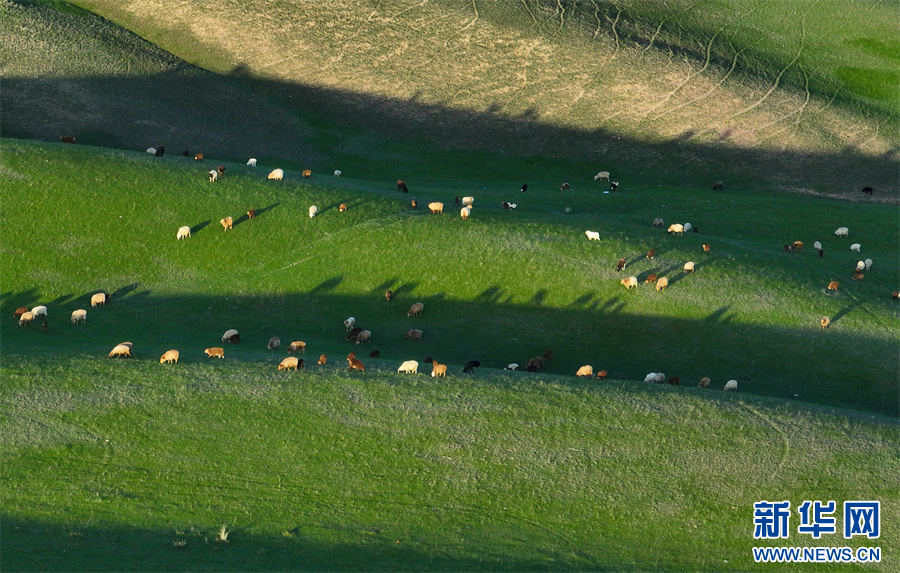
(118, 294)
(327, 286)
(539, 297)
(200, 227)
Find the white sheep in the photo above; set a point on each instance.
(350, 323)
(409, 367)
(151, 150)
(231, 335)
(585, 371)
(26, 318)
(337, 173)
(676, 228)
(689, 267)
(512, 366)
(650, 378)
(630, 282)
(468, 201)
(842, 232)
(855, 247)
(79, 315)
(860, 266)
(868, 264)
(213, 175)
(251, 162)
(817, 246)
(313, 211)
(363, 337)
(592, 235)
(602, 176)
(277, 174)
(465, 212)
(183, 232)
(660, 378)
(731, 386)
(39, 311)
(99, 299)
(687, 227)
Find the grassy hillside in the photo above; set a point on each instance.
(502, 287)
(776, 96)
(133, 466)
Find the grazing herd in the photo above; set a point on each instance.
(361, 336)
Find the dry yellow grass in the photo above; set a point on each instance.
(450, 54)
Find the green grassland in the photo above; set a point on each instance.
(132, 465)
(322, 469)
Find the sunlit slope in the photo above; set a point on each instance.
(502, 287)
(779, 95)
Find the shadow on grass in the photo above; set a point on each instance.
(613, 334)
(199, 227)
(29, 545)
(227, 118)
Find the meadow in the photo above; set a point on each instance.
(232, 465)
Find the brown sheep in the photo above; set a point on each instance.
(718, 186)
(675, 381)
(824, 321)
(375, 354)
(651, 278)
(354, 332)
(215, 352)
(198, 157)
(658, 222)
(650, 254)
(564, 187)
(227, 222)
(322, 360)
(401, 186)
(535, 364)
(415, 310)
(795, 246)
(859, 276)
(221, 169)
(388, 295)
(274, 343)
(413, 334)
(251, 214)
(20, 311)
(414, 203)
(342, 207)
(621, 264)
(704, 382)
(833, 285)
(895, 295)
(705, 248)
(45, 327)
(291, 362)
(169, 357)
(67, 138)
(438, 370)
(601, 375)
(231, 336)
(355, 364)
(297, 345)
(307, 173)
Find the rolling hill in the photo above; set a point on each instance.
(233, 465)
